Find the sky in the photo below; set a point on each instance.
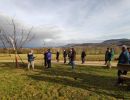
(58, 22)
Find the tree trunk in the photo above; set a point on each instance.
(16, 59)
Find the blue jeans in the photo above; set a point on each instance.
(73, 64)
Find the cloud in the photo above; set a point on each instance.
(41, 33)
(67, 21)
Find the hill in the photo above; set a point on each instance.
(112, 42)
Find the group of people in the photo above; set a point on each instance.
(48, 56)
(124, 58)
(47, 59)
(71, 54)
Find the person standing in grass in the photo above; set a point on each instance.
(83, 55)
(73, 58)
(106, 56)
(112, 52)
(49, 58)
(123, 59)
(64, 56)
(69, 55)
(57, 55)
(30, 60)
(109, 58)
(45, 59)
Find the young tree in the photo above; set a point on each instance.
(15, 38)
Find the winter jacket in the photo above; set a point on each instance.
(124, 57)
(49, 56)
(73, 56)
(30, 57)
(83, 54)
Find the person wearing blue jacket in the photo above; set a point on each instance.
(49, 55)
(123, 59)
(112, 53)
(30, 59)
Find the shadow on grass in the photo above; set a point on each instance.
(101, 84)
(79, 78)
(12, 65)
(21, 65)
(7, 64)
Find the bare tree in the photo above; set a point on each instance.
(15, 39)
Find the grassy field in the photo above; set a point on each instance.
(58, 83)
(40, 57)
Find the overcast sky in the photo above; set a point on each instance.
(70, 21)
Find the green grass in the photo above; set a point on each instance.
(58, 83)
(40, 57)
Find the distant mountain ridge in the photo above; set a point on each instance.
(111, 42)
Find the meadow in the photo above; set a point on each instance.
(60, 82)
(99, 57)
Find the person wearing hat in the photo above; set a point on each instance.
(123, 59)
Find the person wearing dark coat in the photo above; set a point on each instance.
(45, 59)
(30, 59)
(109, 58)
(57, 56)
(64, 56)
(106, 56)
(73, 58)
(83, 55)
